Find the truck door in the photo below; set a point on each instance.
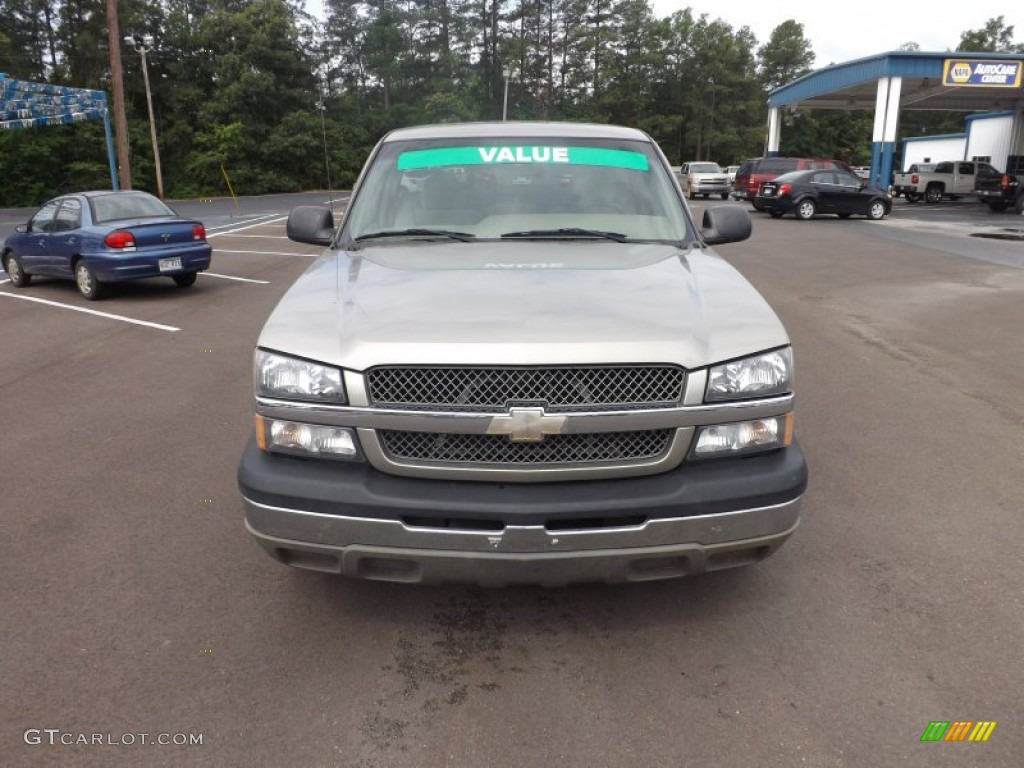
(964, 183)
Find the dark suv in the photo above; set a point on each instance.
(753, 172)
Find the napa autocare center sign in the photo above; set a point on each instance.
(982, 73)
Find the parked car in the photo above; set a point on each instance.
(807, 193)
(755, 172)
(101, 237)
(506, 383)
(705, 179)
(730, 171)
(911, 175)
(951, 179)
(1000, 190)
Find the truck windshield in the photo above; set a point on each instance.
(488, 188)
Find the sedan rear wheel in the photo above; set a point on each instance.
(876, 211)
(14, 271)
(88, 285)
(805, 210)
(185, 279)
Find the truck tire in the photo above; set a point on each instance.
(913, 197)
(933, 194)
(997, 206)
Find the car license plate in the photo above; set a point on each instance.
(169, 265)
(767, 191)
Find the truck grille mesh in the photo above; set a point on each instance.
(558, 389)
(498, 449)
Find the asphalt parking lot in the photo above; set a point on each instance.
(134, 602)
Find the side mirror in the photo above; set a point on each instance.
(21, 229)
(313, 224)
(725, 224)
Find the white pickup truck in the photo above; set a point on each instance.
(951, 179)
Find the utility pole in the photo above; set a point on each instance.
(124, 172)
(144, 46)
(504, 105)
(322, 106)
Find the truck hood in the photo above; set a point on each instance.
(520, 303)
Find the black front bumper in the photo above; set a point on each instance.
(359, 490)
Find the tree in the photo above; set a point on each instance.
(994, 37)
(786, 56)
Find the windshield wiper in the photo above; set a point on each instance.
(464, 237)
(569, 232)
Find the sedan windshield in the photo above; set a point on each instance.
(517, 189)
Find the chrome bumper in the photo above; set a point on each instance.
(392, 550)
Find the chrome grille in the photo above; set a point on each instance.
(498, 449)
(558, 389)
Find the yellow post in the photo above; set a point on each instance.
(232, 191)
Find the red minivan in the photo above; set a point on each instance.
(753, 172)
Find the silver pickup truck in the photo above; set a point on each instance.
(951, 179)
(529, 367)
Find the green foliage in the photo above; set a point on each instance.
(994, 37)
(259, 87)
(786, 56)
(214, 148)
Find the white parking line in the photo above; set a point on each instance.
(4, 281)
(248, 226)
(232, 277)
(122, 318)
(271, 253)
(269, 237)
(255, 219)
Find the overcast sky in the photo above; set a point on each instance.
(851, 30)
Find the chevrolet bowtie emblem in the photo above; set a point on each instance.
(526, 425)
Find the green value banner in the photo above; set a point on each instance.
(519, 155)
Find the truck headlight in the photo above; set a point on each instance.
(762, 375)
(292, 379)
(299, 439)
(744, 437)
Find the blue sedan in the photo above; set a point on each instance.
(95, 238)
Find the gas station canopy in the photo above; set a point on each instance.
(891, 82)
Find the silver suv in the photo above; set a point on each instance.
(702, 178)
(528, 367)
